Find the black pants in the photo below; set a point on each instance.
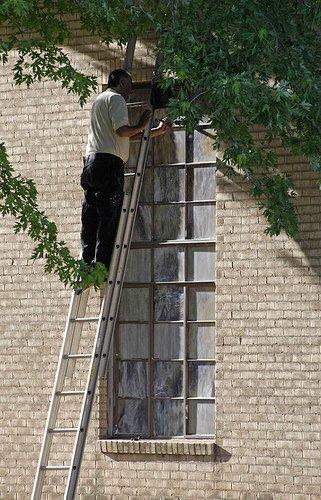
(102, 180)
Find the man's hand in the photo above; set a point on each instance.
(162, 128)
(144, 119)
(166, 125)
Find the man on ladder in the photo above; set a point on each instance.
(103, 175)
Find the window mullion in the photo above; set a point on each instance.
(115, 369)
(150, 357)
(151, 316)
(185, 367)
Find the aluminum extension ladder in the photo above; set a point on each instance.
(105, 328)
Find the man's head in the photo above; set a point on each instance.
(121, 81)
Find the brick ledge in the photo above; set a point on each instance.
(159, 447)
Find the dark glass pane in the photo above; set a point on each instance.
(133, 152)
(169, 148)
(138, 266)
(201, 417)
(201, 303)
(201, 183)
(201, 380)
(128, 181)
(168, 418)
(201, 221)
(142, 228)
(169, 222)
(133, 341)
(134, 146)
(201, 341)
(169, 264)
(168, 303)
(146, 193)
(203, 147)
(132, 378)
(169, 184)
(168, 379)
(168, 341)
(132, 417)
(134, 305)
(201, 264)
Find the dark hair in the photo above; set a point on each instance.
(115, 77)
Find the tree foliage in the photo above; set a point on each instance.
(241, 63)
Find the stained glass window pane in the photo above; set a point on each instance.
(201, 264)
(133, 341)
(169, 222)
(134, 115)
(201, 221)
(201, 379)
(168, 418)
(142, 228)
(168, 341)
(168, 303)
(170, 147)
(132, 378)
(146, 193)
(134, 304)
(169, 264)
(128, 181)
(201, 341)
(201, 304)
(132, 416)
(203, 147)
(133, 152)
(201, 417)
(168, 379)
(169, 184)
(201, 183)
(138, 266)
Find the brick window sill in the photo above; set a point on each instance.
(198, 447)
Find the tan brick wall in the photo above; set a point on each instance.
(268, 334)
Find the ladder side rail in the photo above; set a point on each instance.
(105, 320)
(76, 303)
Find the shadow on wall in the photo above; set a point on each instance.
(219, 455)
(106, 58)
(308, 205)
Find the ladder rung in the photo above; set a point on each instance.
(69, 393)
(77, 356)
(84, 320)
(55, 467)
(63, 430)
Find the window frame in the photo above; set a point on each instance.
(187, 285)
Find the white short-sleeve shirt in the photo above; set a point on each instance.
(108, 113)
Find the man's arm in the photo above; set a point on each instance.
(132, 131)
(129, 131)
